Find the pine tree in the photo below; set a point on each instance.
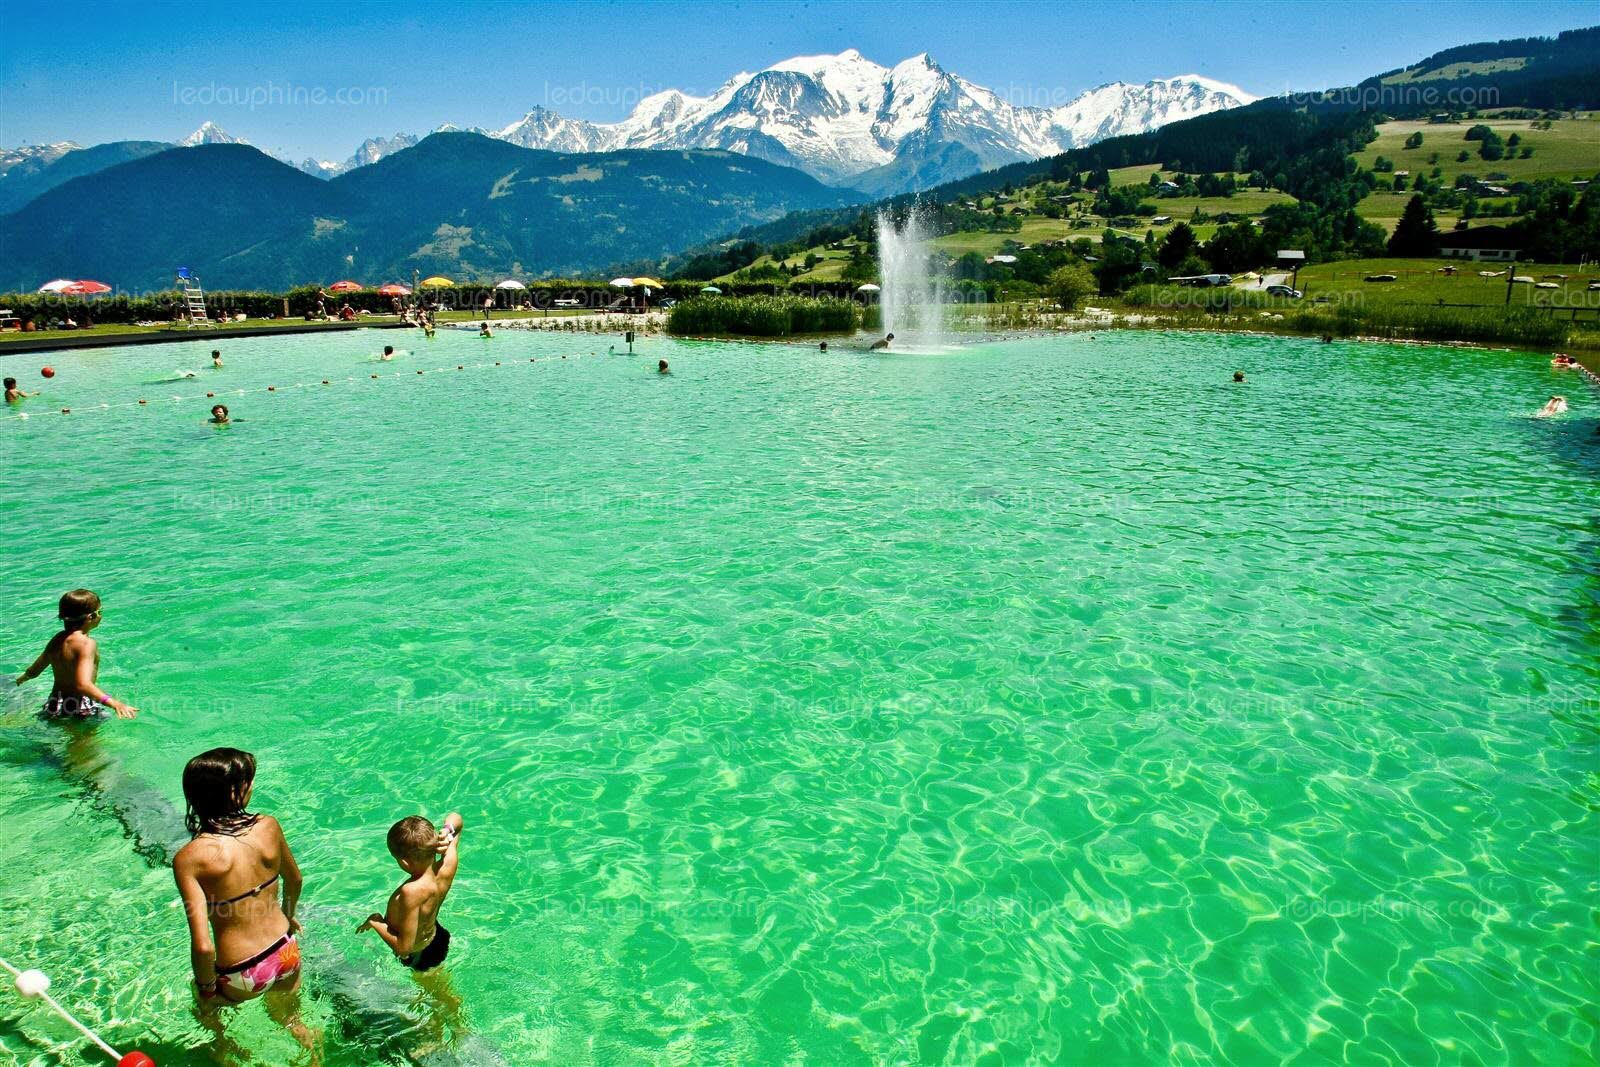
(1418, 233)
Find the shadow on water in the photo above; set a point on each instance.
(1575, 444)
(367, 1005)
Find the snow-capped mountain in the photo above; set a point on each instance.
(371, 150)
(210, 133)
(39, 155)
(850, 121)
(841, 118)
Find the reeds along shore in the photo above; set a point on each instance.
(768, 316)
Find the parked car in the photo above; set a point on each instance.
(1284, 290)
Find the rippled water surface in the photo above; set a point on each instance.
(1048, 701)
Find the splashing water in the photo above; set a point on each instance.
(913, 291)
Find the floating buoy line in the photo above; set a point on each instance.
(218, 394)
(35, 985)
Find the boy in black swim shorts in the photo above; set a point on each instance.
(410, 926)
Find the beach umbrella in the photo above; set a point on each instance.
(393, 289)
(511, 283)
(622, 283)
(86, 287)
(60, 285)
(648, 283)
(711, 289)
(868, 288)
(438, 281)
(346, 286)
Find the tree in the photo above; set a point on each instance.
(1418, 233)
(1179, 244)
(1415, 140)
(1462, 157)
(1069, 284)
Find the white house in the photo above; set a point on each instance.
(1491, 243)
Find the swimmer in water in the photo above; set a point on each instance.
(388, 352)
(13, 394)
(216, 359)
(661, 367)
(823, 347)
(878, 346)
(1563, 362)
(74, 662)
(1238, 375)
(219, 416)
(1556, 405)
(485, 331)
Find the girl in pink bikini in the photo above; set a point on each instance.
(243, 941)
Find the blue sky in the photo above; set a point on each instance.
(317, 79)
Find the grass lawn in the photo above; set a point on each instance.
(1569, 149)
(1419, 282)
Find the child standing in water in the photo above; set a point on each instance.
(411, 925)
(74, 662)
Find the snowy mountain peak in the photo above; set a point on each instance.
(210, 133)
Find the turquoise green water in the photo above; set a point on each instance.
(1051, 701)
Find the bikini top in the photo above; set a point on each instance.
(242, 896)
(247, 894)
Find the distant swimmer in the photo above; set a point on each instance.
(1563, 361)
(485, 332)
(823, 347)
(1556, 405)
(427, 329)
(388, 352)
(878, 346)
(13, 394)
(216, 359)
(1238, 375)
(661, 367)
(219, 416)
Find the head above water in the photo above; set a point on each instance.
(219, 413)
(216, 788)
(388, 350)
(411, 842)
(79, 610)
(216, 354)
(11, 383)
(661, 365)
(1238, 375)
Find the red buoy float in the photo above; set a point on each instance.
(48, 372)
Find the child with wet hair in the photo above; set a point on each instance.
(410, 926)
(74, 662)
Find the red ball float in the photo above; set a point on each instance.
(136, 1059)
(48, 372)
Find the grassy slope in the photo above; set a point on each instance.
(1419, 282)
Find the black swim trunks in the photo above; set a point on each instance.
(433, 955)
(61, 706)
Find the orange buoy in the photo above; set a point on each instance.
(272, 388)
(48, 372)
(143, 401)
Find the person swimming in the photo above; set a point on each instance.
(662, 368)
(1563, 361)
(879, 346)
(13, 394)
(485, 331)
(216, 359)
(1238, 375)
(1556, 405)
(823, 347)
(219, 415)
(388, 353)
